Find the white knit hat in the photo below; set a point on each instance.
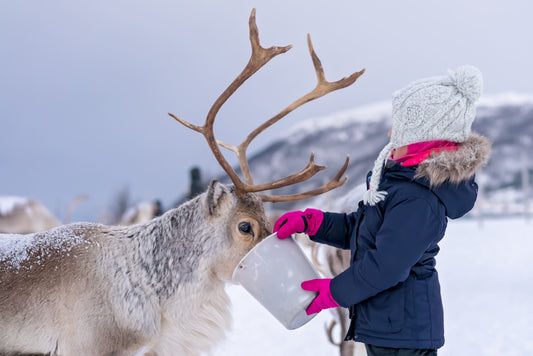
(437, 108)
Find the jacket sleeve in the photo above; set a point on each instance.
(336, 229)
(407, 230)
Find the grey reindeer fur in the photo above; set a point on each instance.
(154, 288)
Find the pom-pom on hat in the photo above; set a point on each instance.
(437, 108)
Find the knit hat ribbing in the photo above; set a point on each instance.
(437, 108)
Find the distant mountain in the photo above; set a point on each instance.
(505, 119)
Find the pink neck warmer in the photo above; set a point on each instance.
(418, 152)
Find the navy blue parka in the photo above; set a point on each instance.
(392, 286)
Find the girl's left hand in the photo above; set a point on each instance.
(323, 300)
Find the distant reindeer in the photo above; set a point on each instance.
(141, 213)
(155, 288)
(20, 215)
(23, 216)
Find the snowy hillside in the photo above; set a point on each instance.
(506, 119)
(487, 288)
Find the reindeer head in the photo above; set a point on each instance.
(247, 221)
(239, 221)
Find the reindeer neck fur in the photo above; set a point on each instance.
(174, 250)
(178, 260)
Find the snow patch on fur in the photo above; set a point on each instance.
(16, 249)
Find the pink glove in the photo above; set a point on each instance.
(307, 221)
(324, 300)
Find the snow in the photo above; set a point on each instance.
(9, 203)
(257, 332)
(497, 100)
(15, 249)
(374, 112)
(487, 288)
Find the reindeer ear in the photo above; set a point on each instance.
(216, 195)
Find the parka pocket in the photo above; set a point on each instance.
(382, 314)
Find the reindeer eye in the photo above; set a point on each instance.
(246, 228)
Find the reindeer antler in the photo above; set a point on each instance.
(259, 57)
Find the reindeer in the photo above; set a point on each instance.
(23, 216)
(155, 288)
(141, 212)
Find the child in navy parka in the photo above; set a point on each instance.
(424, 176)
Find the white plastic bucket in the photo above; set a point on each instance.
(272, 273)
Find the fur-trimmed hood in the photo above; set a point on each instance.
(456, 166)
(448, 174)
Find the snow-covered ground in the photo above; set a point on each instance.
(487, 287)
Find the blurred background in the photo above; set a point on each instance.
(85, 87)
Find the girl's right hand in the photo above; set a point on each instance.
(307, 221)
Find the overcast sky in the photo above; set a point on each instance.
(85, 86)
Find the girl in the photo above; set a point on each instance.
(422, 177)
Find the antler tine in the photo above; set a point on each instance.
(259, 57)
(335, 182)
(310, 170)
(322, 88)
(186, 124)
